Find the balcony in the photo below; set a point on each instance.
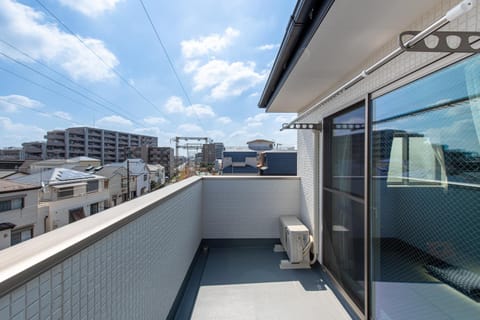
(201, 248)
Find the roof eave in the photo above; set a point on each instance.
(305, 20)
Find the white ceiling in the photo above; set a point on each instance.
(351, 32)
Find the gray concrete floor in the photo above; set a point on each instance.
(247, 283)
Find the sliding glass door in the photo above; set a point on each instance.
(343, 193)
(425, 205)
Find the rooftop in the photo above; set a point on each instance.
(10, 186)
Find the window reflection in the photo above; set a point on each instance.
(426, 197)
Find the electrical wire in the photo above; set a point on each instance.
(65, 86)
(170, 62)
(118, 74)
(46, 88)
(43, 113)
(59, 74)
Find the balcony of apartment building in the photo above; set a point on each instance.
(55, 143)
(201, 248)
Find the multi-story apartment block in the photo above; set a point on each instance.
(208, 153)
(219, 148)
(102, 144)
(12, 153)
(35, 150)
(154, 155)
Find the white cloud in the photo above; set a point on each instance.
(257, 120)
(114, 121)
(13, 102)
(209, 44)
(189, 127)
(43, 40)
(226, 79)
(269, 46)
(216, 135)
(199, 110)
(224, 120)
(284, 119)
(90, 8)
(63, 115)
(175, 105)
(16, 133)
(155, 120)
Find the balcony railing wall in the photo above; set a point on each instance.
(129, 262)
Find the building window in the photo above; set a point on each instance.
(76, 214)
(144, 177)
(94, 208)
(343, 194)
(11, 204)
(65, 193)
(21, 234)
(425, 196)
(92, 186)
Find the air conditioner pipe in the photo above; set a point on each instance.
(451, 15)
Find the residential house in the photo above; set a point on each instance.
(139, 176)
(277, 163)
(81, 163)
(157, 174)
(239, 163)
(67, 195)
(116, 183)
(19, 220)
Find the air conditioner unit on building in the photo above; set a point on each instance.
(296, 242)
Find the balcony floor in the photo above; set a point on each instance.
(247, 283)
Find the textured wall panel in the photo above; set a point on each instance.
(247, 207)
(133, 273)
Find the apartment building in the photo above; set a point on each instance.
(35, 150)
(12, 153)
(106, 145)
(154, 155)
(209, 153)
(18, 213)
(219, 148)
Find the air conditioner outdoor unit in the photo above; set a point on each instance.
(296, 241)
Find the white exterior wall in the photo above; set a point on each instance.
(402, 65)
(27, 216)
(133, 273)
(247, 207)
(59, 209)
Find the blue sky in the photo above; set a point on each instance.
(222, 51)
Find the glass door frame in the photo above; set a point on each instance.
(326, 168)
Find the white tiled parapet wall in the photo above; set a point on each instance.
(129, 262)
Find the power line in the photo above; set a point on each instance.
(65, 86)
(99, 57)
(185, 93)
(43, 113)
(58, 73)
(46, 88)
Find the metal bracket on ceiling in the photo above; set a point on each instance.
(443, 41)
(303, 126)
